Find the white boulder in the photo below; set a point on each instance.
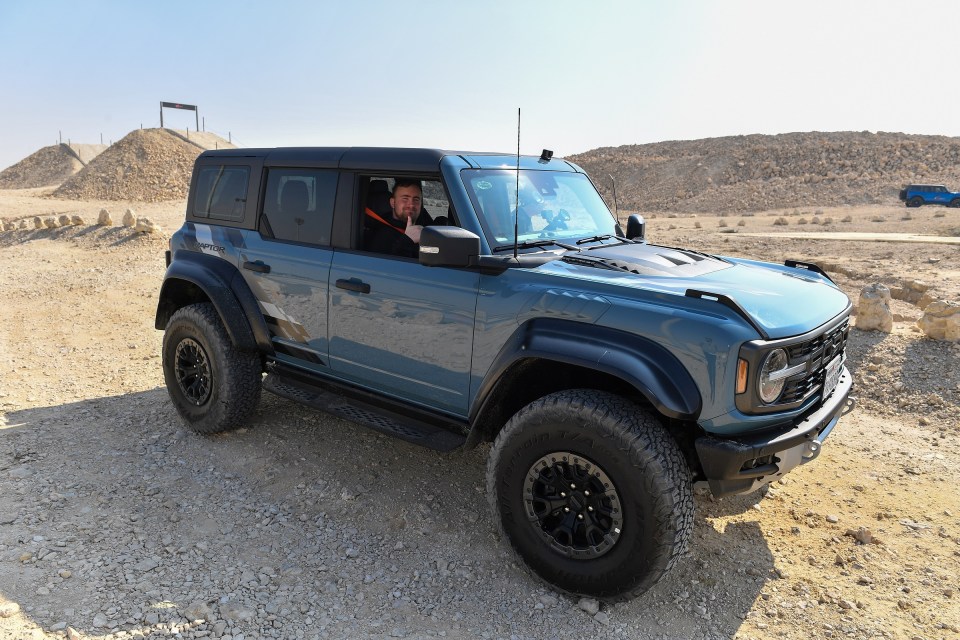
(941, 321)
(873, 309)
(145, 225)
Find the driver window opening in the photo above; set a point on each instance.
(386, 204)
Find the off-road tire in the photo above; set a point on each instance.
(955, 203)
(613, 439)
(915, 201)
(213, 386)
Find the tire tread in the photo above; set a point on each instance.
(239, 389)
(643, 439)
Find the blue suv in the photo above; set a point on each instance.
(916, 195)
(610, 374)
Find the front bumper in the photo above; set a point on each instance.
(743, 464)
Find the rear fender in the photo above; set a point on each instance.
(193, 277)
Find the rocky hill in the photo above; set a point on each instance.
(762, 172)
(147, 165)
(47, 167)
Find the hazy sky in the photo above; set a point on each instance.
(452, 74)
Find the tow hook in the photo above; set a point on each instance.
(849, 406)
(811, 451)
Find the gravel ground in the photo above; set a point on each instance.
(116, 522)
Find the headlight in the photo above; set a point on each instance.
(772, 379)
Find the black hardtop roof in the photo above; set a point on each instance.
(360, 158)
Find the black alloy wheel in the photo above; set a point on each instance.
(573, 505)
(192, 370)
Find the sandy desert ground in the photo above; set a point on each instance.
(116, 522)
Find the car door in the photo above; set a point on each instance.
(401, 328)
(286, 262)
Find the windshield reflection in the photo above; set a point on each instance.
(552, 205)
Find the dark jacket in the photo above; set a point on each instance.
(386, 235)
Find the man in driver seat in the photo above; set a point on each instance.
(398, 233)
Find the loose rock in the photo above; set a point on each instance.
(873, 309)
(144, 225)
(941, 321)
(589, 605)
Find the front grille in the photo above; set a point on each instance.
(818, 352)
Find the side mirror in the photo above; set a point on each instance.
(636, 227)
(448, 247)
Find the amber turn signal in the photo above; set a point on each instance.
(741, 376)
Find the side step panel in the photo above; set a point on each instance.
(387, 422)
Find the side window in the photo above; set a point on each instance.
(221, 192)
(298, 205)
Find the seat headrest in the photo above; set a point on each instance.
(294, 198)
(378, 197)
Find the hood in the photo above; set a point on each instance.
(783, 301)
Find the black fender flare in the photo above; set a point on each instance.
(647, 366)
(225, 287)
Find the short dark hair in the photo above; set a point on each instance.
(407, 182)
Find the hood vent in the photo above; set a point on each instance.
(650, 260)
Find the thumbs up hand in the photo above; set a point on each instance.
(413, 230)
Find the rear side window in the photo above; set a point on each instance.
(298, 205)
(221, 192)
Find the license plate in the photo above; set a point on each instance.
(832, 376)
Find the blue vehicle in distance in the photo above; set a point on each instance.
(610, 374)
(917, 195)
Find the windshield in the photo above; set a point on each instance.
(553, 205)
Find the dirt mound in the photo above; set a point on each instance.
(148, 165)
(759, 172)
(47, 167)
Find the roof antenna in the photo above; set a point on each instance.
(516, 215)
(616, 208)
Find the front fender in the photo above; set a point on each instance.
(652, 370)
(191, 274)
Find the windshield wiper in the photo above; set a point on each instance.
(606, 237)
(526, 244)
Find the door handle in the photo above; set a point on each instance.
(259, 266)
(353, 285)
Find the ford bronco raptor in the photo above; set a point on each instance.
(916, 195)
(610, 374)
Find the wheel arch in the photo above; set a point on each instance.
(547, 355)
(194, 278)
